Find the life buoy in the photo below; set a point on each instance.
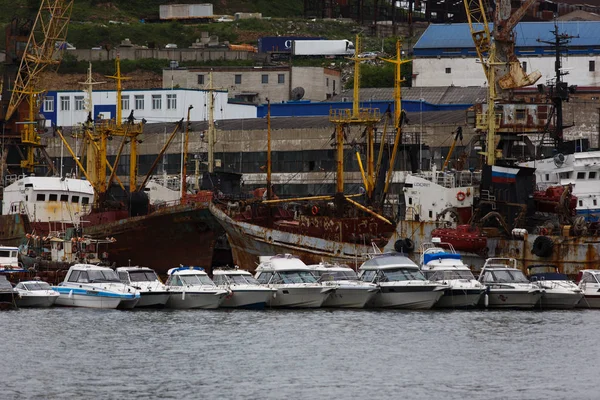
(314, 210)
(542, 246)
(461, 196)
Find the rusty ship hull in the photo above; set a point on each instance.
(13, 229)
(249, 241)
(569, 253)
(180, 234)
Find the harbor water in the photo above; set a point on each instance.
(83, 353)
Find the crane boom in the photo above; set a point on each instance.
(480, 30)
(41, 51)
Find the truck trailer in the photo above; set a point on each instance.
(280, 44)
(322, 48)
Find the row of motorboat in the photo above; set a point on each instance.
(385, 280)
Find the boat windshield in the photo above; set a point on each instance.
(102, 276)
(504, 276)
(36, 286)
(346, 275)
(296, 277)
(448, 275)
(196, 280)
(402, 274)
(242, 280)
(142, 276)
(368, 276)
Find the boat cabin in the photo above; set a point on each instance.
(541, 272)
(132, 275)
(86, 273)
(9, 257)
(501, 270)
(188, 276)
(33, 286)
(588, 277)
(233, 277)
(283, 269)
(390, 267)
(49, 199)
(334, 272)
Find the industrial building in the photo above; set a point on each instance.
(68, 108)
(445, 54)
(257, 84)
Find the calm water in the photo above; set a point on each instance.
(78, 353)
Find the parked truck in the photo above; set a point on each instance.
(280, 44)
(322, 48)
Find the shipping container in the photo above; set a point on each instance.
(186, 11)
(322, 48)
(279, 44)
(242, 15)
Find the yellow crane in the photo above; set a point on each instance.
(43, 49)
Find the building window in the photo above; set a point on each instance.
(580, 203)
(156, 102)
(171, 101)
(580, 175)
(595, 202)
(85, 200)
(265, 78)
(65, 103)
(524, 66)
(280, 78)
(334, 86)
(448, 70)
(40, 197)
(547, 177)
(79, 104)
(139, 101)
(124, 102)
(200, 79)
(520, 115)
(49, 104)
(592, 175)
(74, 199)
(53, 197)
(64, 197)
(592, 66)
(238, 79)
(327, 82)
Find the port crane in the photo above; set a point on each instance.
(36, 48)
(503, 71)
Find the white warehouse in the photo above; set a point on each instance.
(445, 54)
(67, 108)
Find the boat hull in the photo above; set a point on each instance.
(167, 231)
(299, 297)
(589, 301)
(29, 300)
(349, 297)
(511, 298)
(247, 298)
(410, 297)
(460, 298)
(569, 253)
(153, 299)
(249, 242)
(560, 299)
(8, 300)
(87, 301)
(191, 299)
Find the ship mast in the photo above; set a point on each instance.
(211, 125)
(185, 155)
(269, 189)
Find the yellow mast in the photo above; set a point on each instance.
(397, 109)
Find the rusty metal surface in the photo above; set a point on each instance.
(570, 254)
(249, 241)
(13, 229)
(183, 234)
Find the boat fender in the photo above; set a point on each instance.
(314, 210)
(542, 246)
(408, 245)
(486, 300)
(229, 295)
(399, 245)
(183, 295)
(461, 196)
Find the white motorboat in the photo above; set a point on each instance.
(93, 286)
(441, 263)
(559, 291)
(401, 283)
(507, 286)
(9, 260)
(350, 292)
(153, 293)
(296, 285)
(246, 291)
(588, 281)
(191, 287)
(35, 294)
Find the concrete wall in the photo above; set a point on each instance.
(317, 82)
(468, 72)
(133, 53)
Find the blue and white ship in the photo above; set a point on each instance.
(93, 286)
